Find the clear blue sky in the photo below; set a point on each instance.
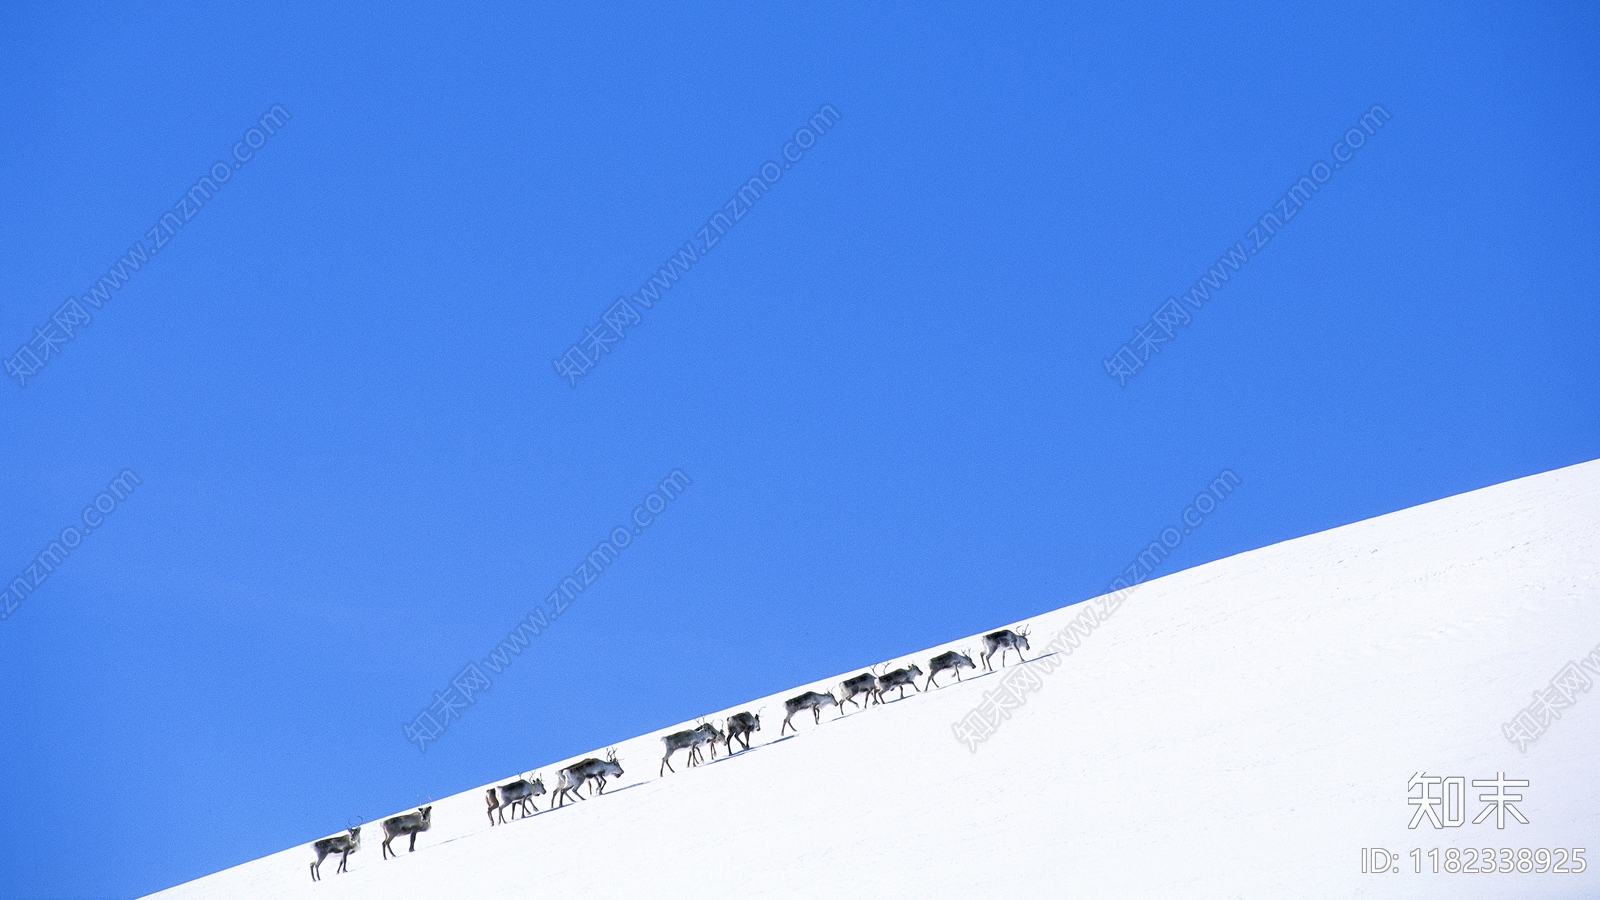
(358, 468)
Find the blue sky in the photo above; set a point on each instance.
(358, 468)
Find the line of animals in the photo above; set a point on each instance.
(520, 794)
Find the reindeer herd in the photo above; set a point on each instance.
(520, 794)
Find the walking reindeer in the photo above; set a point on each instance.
(342, 844)
(1003, 640)
(740, 727)
(811, 700)
(901, 679)
(864, 685)
(572, 777)
(518, 793)
(410, 823)
(949, 660)
(692, 739)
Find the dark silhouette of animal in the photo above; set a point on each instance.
(511, 796)
(597, 770)
(950, 660)
(1003, 640)
(900, 678)
(811, 700)
(410, 823)
(740, 727)
(342, 844)
(692, 739)
(863, 685)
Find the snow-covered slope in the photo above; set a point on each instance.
(1241, 729)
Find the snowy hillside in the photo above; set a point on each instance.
(1241, 729)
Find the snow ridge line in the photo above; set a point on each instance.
(984, 720)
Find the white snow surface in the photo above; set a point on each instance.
(1239, 729)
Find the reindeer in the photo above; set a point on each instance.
(410, 823)
(740, 727)
(693, 739)
(572, 777)
(863, 685)
(809, 700)
(342, 844)
(711, 735)
(510, 796)
(1003, 640)
(950, 660)
(900, 678)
